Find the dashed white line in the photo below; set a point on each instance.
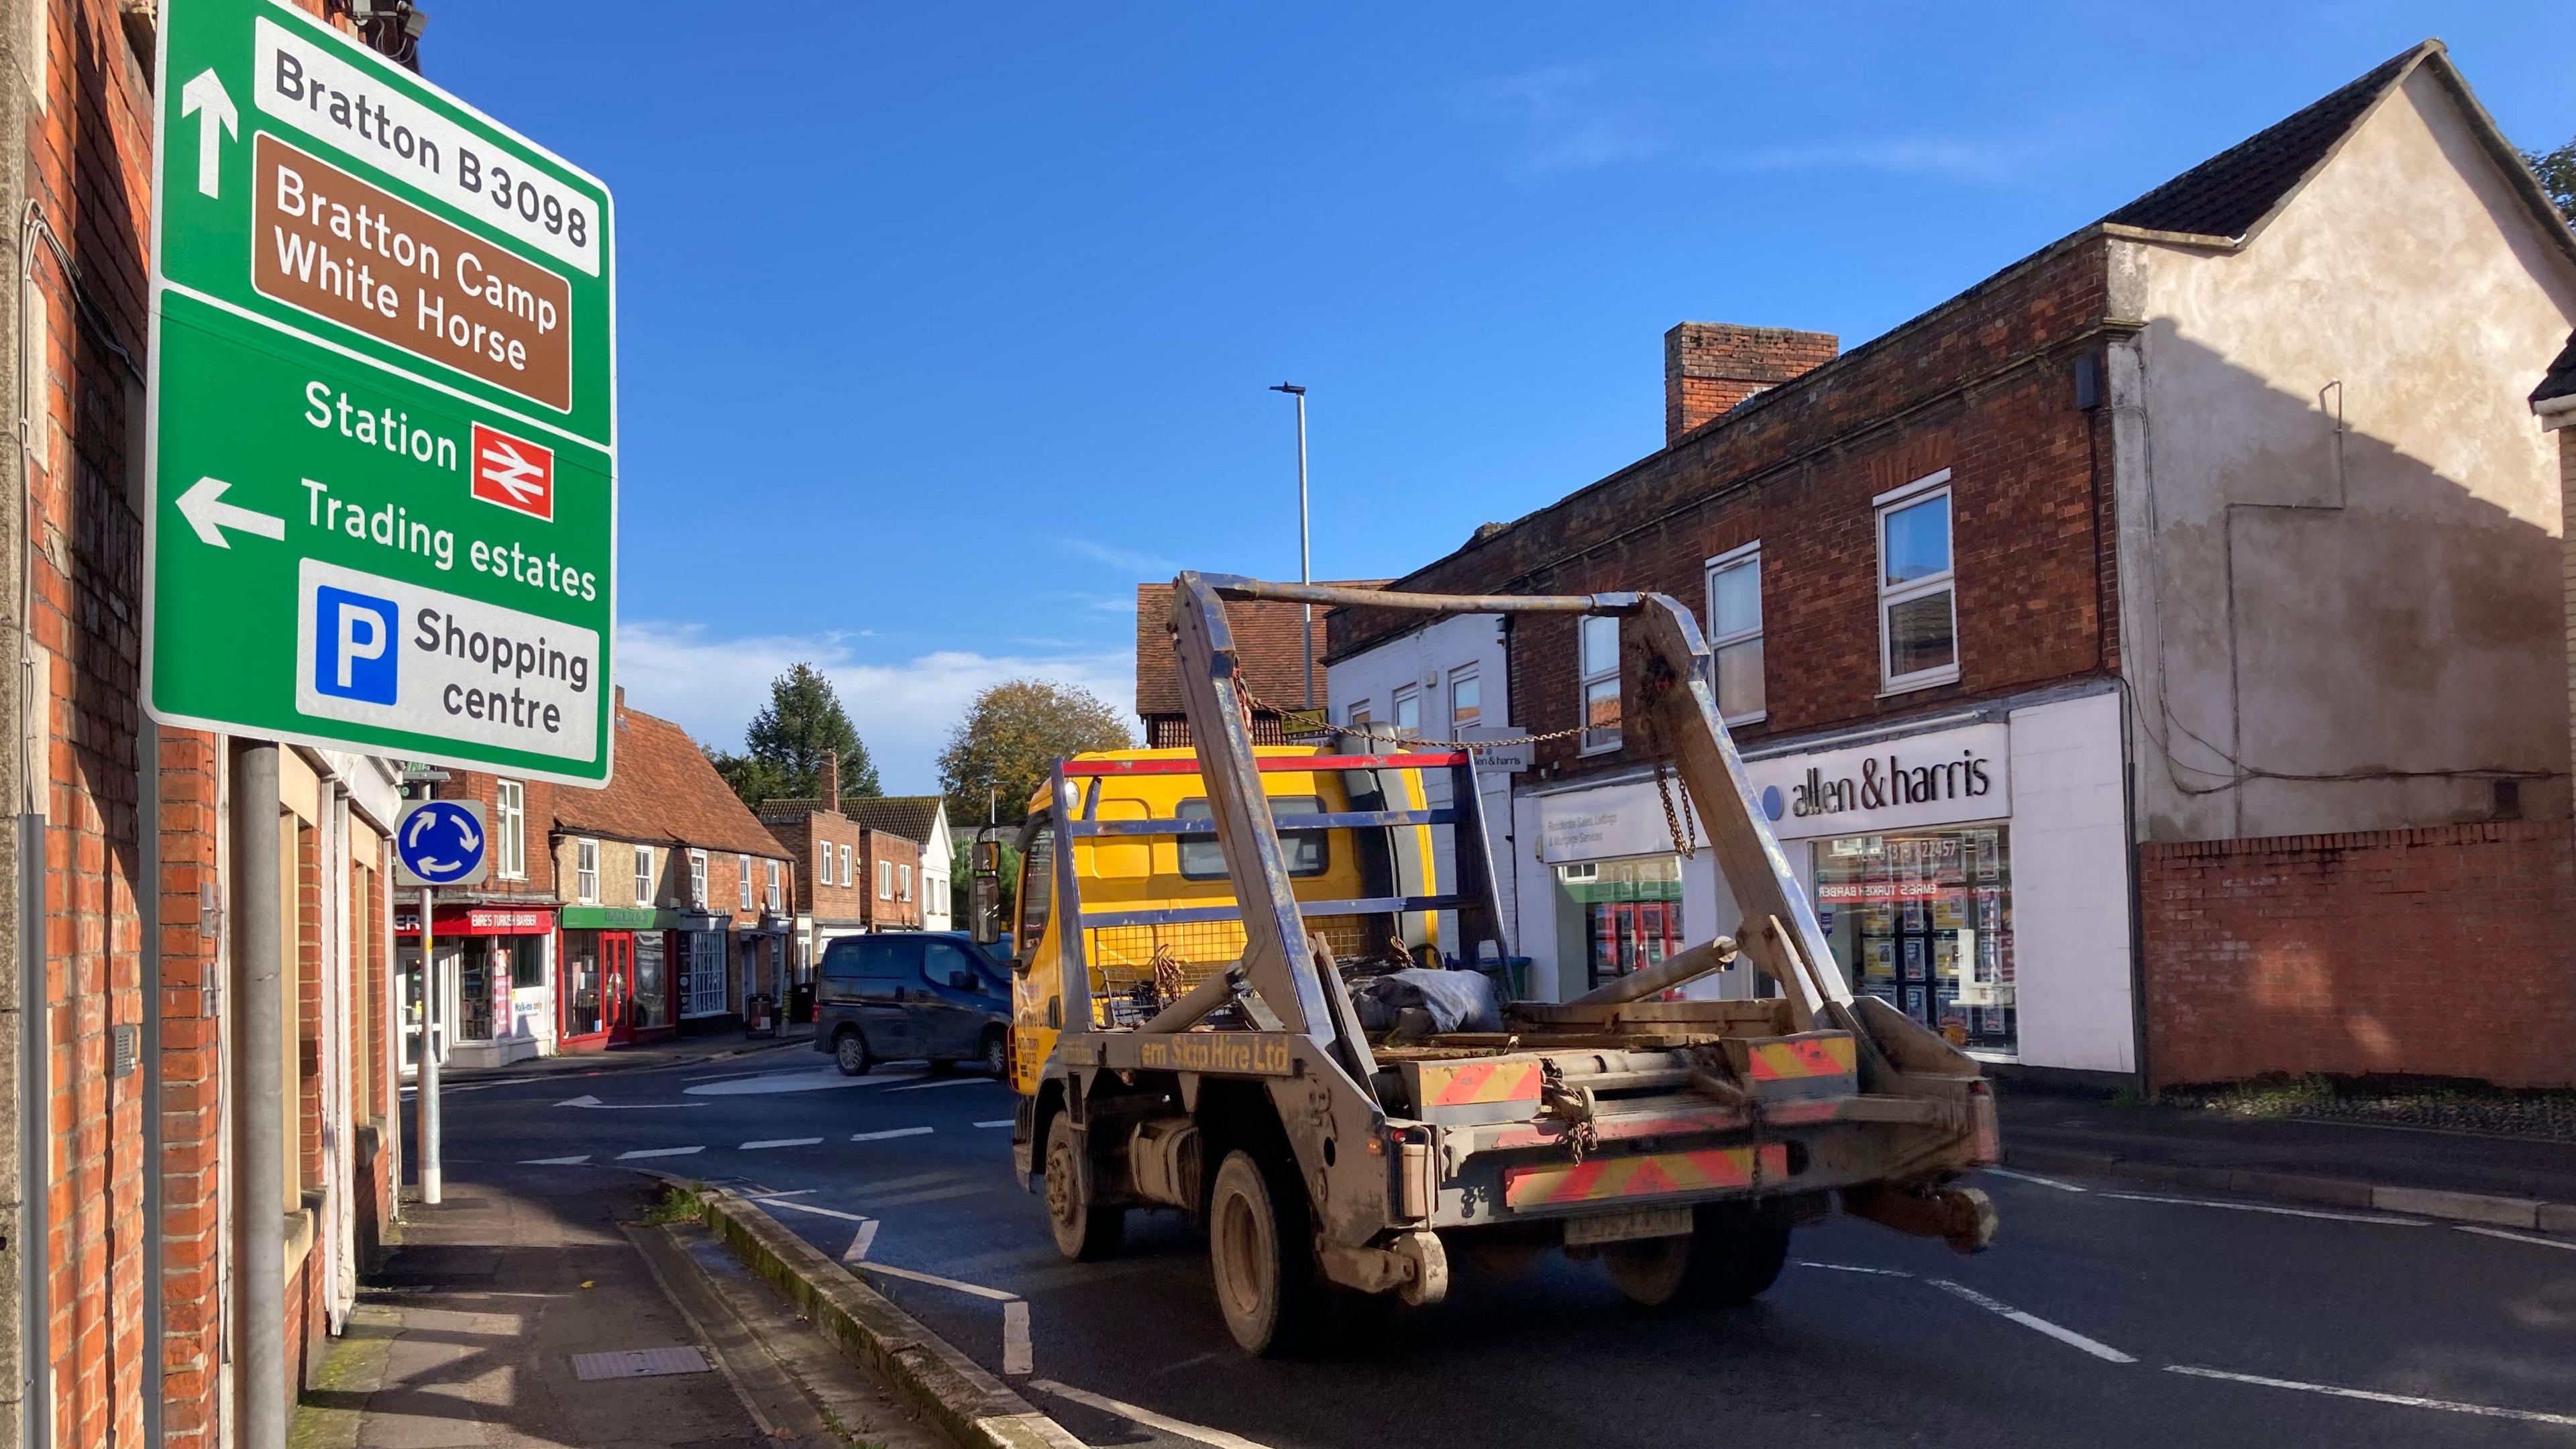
(2068, 1336)
(952, 1284)
(2035, 1177)
(860, 1241)
(1855, 1268)
(1147, 1417)
(945, 1082)
(2286, 1212)
(660, 1152)
(766, 1144)
(889, 1134)
(996, 1122)
(2488, 1411)
(2562, 1244)
(573, 1161)
(1016, 1354)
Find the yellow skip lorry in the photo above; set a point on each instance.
(1226, 1000)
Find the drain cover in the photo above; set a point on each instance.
(639, 1363)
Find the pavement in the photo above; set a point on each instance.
(2110, 1311)
(473, 1335)
(646, 1057)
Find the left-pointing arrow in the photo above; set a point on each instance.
(203, 506)
(212, 105)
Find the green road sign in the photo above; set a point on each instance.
(383, 410)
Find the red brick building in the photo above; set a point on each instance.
(849, 878)
(2081, 565)
(1269, 638)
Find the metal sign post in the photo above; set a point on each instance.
(383, 410)
(436, 843)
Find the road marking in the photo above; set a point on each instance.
(2035, 1177)
(2410, 1401)
(2068, 1336)
(807, 1207)
(946, 1082)
(1855, 1268)
(1016, 1354)
(770, 1084)
(768, 1143)
(1146, 1417)
(935, 1281)
(2258, 1207)
(594, 1104)
(2561, 1244)
(659, 1152)
(996, 1122)
(928, 1194)
(864, 1239)
(889, 1133)
(574, 1161)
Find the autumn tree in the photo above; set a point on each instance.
(1012, 736)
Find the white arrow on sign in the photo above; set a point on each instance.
(597, 1105)
(203, 506)
(212, 105)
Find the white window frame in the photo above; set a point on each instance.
(585, 871)
(1888, 504)
(769, 894)
(823, 873)
(1465, 674)
(1584, 680)
(1357, 717)
(1748, 556)
(885, 880)
(698, 878)
(510, 830)
(1404, 695)
(846, 877)
(644, 875)
(903, 883)
(742, 882)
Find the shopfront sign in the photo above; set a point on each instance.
(618, 918)
(1933, 779)
(1608, 822)
(477, 921)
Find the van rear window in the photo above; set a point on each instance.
(1308, 851)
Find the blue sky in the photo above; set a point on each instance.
(941, 327)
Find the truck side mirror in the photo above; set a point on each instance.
(984, 893)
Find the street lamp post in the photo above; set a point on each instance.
(1305, 552)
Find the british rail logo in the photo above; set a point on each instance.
(514, 472)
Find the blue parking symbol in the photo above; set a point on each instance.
(353, 647)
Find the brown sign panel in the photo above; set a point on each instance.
(331, 244)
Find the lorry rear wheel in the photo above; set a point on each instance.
(1085, 1231)
(1649, 1271)
(1735, 1257)
(1260, 1254)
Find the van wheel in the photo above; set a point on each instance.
(1260, 1249)
(1085, 1231)
(850, 1053)
(996, 1055)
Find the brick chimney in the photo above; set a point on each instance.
(1709, 367)
(831, 791)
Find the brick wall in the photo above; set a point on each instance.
(899, 853)
(1709, 367)
(803, 833)
(540, 797)
(2446, 952)
(2567, 564)
(191, 1093)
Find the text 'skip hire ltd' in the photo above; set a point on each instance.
(383, 507)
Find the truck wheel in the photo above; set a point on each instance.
(1735, 1256)
(1650, 1271)
(850, 1053)
(1085, 1231)
(1258, 1249)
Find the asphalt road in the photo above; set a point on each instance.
(2107, 1314)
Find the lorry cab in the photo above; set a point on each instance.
(1163, 886)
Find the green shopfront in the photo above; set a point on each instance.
(617, 983)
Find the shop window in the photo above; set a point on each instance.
(644, 875)
(474, 968)
(1735, 632)
(703, 988)
(651, 1003)
(1917, 603)
(1307, 850)
(697, 878)
(742, 882)
(1600, 702)
(1466, 700)
(1629, 912)
(1923, 921)
(585, 871)
(510, 830)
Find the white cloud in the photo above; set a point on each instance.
(904, 711)
(1569, 118)
(1125, 560)
(1904, 155)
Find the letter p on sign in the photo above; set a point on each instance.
(354, 656)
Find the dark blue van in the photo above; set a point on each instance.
(893, 997)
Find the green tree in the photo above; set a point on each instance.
(788, 740)
(1012, 736)
(2557, 173)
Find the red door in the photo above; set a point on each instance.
(617, 984)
